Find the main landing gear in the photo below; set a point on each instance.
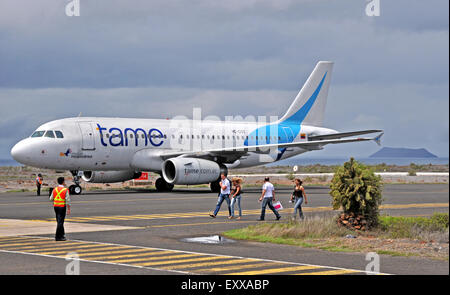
(162, 186)
(75, 189)
(215, 186)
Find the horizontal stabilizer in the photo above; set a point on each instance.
(341, 135)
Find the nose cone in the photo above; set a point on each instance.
(19, 153)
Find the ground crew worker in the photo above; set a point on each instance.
(39, 181)
(61, 199)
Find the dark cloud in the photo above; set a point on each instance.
(391, 71)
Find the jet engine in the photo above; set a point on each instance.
(109, 176)
(191, 171)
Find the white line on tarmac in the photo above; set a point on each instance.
(189, 252)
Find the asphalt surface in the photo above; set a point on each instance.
(157, 224)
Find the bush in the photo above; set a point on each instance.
(357, 190)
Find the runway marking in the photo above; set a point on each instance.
(142, 257)
(225, 213)
(274, 270)
(198, 223)
(69, 245)
(81, 251)
(105, 201)
(195, 265)
(235, 267)
(145, 253)
(328, 272)
(180, 261)
(184, 262)
(50, 245)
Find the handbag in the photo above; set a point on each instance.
(277, 205)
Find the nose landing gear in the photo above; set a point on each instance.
(75, 189)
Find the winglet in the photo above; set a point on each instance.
(378, 138)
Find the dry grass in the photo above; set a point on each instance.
(310, 228)
(401, 236)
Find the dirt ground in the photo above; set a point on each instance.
(22, 178)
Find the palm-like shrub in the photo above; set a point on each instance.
(357, 190)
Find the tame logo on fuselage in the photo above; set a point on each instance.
(116, 137)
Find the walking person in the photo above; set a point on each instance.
(224, 195)
(39, 181)
(267, 198)
(236, 193)
(297, 197)
(61, 200)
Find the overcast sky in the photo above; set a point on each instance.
(158, 59)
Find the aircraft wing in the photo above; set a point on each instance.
(231, 154)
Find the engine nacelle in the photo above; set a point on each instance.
(190, 171)
(109, 176)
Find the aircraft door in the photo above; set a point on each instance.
(87, 135)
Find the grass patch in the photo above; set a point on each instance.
(421, 228)
(403, 233)
(18, 190)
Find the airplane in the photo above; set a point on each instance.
(183, 152)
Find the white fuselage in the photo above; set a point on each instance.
(111, 144)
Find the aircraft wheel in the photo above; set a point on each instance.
(162, 186)
(77, 190)
(215, 186)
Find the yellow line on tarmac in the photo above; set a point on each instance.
(143, 257)
(329, 272)
(200, 223)
(245, 212)
(274, 270)
(176, 261)
(144, 253)
(105, 201)
(57, 251)
(165, 259)
(105, 254)
(210, 258)
(70, 245)
(29, 243)
(234, 261)
(236, 267)
(6, 240)
(49, 246)
(419, 205)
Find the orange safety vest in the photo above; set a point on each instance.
(39, 180)
(59, 196)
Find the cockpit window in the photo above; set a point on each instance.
(38, 134)
(59, 134)
(49, 134)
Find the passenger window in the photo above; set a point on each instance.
(49, 134)
(59, 134)
(38, 134)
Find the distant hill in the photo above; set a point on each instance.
(388, 152)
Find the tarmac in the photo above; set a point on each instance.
(146, 232)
